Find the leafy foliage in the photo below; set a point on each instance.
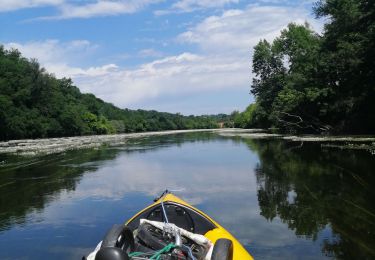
(305, 82)
(34, 104)
(245, 119)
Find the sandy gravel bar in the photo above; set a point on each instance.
(260, 134)
(251, 135)
(58, 145)
(330, 138)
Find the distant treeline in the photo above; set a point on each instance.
(34, 104)
(311, 83)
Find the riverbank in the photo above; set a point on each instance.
(62, 144)
(79, 194)
(340, 142)
(59, 145)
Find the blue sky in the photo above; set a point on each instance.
(187, 56)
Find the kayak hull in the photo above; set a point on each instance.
(191, 219)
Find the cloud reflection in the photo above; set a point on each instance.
(217, 175)
(225, 189)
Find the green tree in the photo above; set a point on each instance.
(348, 59)
(283, 84)
(305, 82)
(34, 104)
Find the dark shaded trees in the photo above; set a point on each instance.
(285, 94)
(305, 82)
(347, 65)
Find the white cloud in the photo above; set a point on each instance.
(52, 50)
(103, 8)
(222, 62)
(10, 5)
(188, 5)
(193, 5)
(87, 8)
(57, 57)
(176, 75)
(239, 30)
(150, 53)
(226, 44)
(79, 9)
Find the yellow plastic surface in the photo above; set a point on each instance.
(239, 252)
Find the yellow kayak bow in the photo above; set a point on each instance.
(199, 222)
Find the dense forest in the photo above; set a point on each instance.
(305, 82)
(35, 104)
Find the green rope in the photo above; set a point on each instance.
(166, 249)
(157, 254)
(136, 254)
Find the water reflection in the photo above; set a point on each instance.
(282, 200)
(27, 184)
(310, 189)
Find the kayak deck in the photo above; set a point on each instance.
(185, 216)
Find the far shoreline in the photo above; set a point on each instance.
(31, 147)
(62, 144)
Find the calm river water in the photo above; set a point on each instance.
(281, 199)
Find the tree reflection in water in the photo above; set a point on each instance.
(28, 184)
(310, 188)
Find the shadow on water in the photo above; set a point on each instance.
(309, 188)
(28, 184)
(281, 199)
